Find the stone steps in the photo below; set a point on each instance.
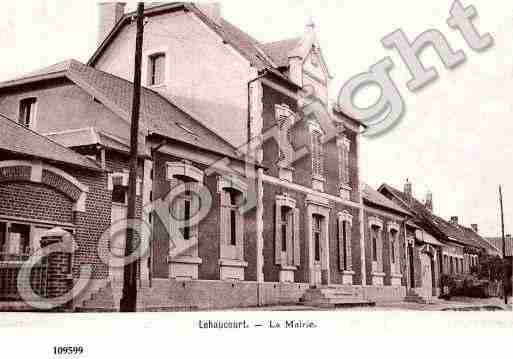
(333, 297)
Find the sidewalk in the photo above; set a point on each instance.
(456, 304)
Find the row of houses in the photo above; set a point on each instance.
(290, 226)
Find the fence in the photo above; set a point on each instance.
(9, 280)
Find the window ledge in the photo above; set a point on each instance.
(185, 260)
(348, 272)
(156, 87)
(378, 274)
(232, 263)
(396, 275)
(288, 267)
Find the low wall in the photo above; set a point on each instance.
(201, 294)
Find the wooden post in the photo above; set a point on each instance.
(128, 301)
(505, 274)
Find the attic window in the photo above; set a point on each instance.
(27, 114)
(157, 65)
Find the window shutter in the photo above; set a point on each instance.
(277, 235)
(297, 244)
(349, 259)
(380, 249)
(346, 165)
(239, 225)
(194, 188)
(290, 236)
(225, 218)
(341, 254)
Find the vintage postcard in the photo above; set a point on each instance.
(243, 166)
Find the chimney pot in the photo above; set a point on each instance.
(109, 13)
(429, 201)
(454, 220)
(475, 227)
(408, 189)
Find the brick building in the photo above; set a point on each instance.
(435, 246)
(224, 112)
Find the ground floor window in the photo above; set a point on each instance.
(18, 239)
(317, 229)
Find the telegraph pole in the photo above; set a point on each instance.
(128, 301)
(505, 274)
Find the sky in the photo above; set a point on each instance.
(456, 136)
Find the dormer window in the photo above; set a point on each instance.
(27, 115)
(157, 66)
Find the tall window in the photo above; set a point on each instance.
(393, 246)
(344, 241)
(27, 112)
(233, 217)
(183, 207)
(317, 154)
(317, 221)
(374, 234)
(284, 226)
(157, 68)
(187, 215)
(119, 194)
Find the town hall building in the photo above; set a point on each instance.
(245, 126)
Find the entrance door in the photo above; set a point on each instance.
(427, 275)
(117, 243)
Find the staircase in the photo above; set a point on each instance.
(334, 297)
(154, 299)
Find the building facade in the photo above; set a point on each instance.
(245, 127)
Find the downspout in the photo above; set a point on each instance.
(259, 197)
(153, 152)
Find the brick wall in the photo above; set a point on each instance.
(35, 201)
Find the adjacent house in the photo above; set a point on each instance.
(436, 246)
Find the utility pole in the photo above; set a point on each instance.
(128, 301)
(505, 274)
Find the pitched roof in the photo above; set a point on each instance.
(279, 50)
(20, 140)
(242, 42)
(374, 197)
(497, 243)
(88, 136)
(157, 114)
(453, 232)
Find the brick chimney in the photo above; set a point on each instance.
(212, 10)
(454, 220)
(474, 227)
(109, 13)
(429, 201)
(408, 189)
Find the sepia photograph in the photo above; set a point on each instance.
(320, 158)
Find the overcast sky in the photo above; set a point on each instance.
(456, 137)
